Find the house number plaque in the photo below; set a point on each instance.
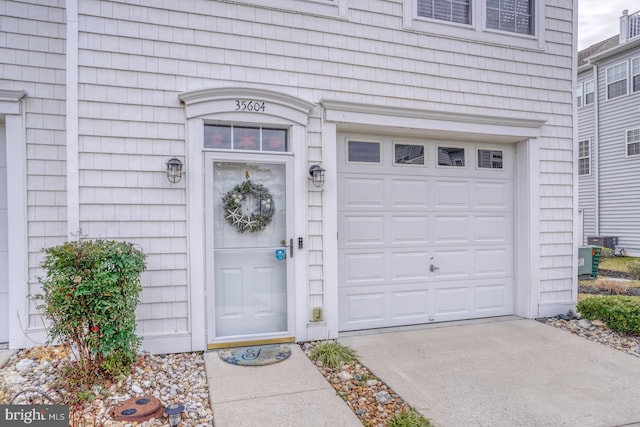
(249, 105)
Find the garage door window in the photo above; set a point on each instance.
(408, 154)
(451, 156)
(490, 159)
(363, 152)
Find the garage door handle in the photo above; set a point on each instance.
(433, 268)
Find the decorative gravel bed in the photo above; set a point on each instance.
(597, 331)
(367, 396)
(173, 378)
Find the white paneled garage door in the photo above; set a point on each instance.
(425, 231)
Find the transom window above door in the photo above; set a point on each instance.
(253, 138)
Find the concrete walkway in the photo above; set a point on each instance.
(290, 393)
(508, 373)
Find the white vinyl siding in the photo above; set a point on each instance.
(633, 142)
(616, 80)
(584, 157)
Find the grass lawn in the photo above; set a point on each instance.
(618, 263)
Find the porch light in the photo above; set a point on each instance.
(174, 412)
(317, 175)
(174, 170)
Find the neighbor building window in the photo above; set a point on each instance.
(584, 157)
(633, 142)
(446, 10)
(635, 74)
(589, 92)
(515, 16)
(579, 95)
(617, 80)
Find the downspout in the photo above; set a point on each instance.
(596, 145)
(73, 182)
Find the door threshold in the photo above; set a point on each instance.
(247, 343)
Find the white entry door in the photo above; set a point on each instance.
(250, 248)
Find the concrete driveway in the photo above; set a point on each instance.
(515, 372)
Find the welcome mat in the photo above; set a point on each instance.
(256, 356)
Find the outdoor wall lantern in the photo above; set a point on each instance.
(174, 170)
(174, 412)
(317, 175)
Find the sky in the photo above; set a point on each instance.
(600, 19)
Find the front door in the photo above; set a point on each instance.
(249, 271)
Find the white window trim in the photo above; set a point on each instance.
(584, 93)
(626, 143)
(588, 141)
(631, 75)
(335, 8)
(477, 30)
(607, 82)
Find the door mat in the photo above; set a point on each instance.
(256, 356)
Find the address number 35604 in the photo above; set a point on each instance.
(248, 105)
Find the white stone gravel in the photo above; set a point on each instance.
(173, 378)
(597, 331)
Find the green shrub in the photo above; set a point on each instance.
(408, 418)
(607, 253)
(633, 268)
(91, 290)
(333, 354)
(620, 313)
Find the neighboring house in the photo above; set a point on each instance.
(445, 135)
(608, 98)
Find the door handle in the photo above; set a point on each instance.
(283, 242)
(433, 268)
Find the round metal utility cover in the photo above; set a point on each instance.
(138, 409)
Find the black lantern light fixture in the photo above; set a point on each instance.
(317, 175)
(174, 170)
(174, 412)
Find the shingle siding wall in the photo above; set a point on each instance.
(135, 59)
(32, 58)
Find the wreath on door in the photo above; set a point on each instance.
(261, 212)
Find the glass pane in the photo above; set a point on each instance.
(490, 159)
(249, 281)
(409, 154)
(450, 156)
(274, 139)
(617, 89)
(425, 8)
(583, 166)
(217, 136)
(636, 83)
(245, 138)
(360, 151)
(633, 149)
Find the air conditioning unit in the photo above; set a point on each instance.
(604, 241)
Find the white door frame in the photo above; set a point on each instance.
(219, 104)
(286, 159)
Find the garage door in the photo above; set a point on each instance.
(425, 231)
